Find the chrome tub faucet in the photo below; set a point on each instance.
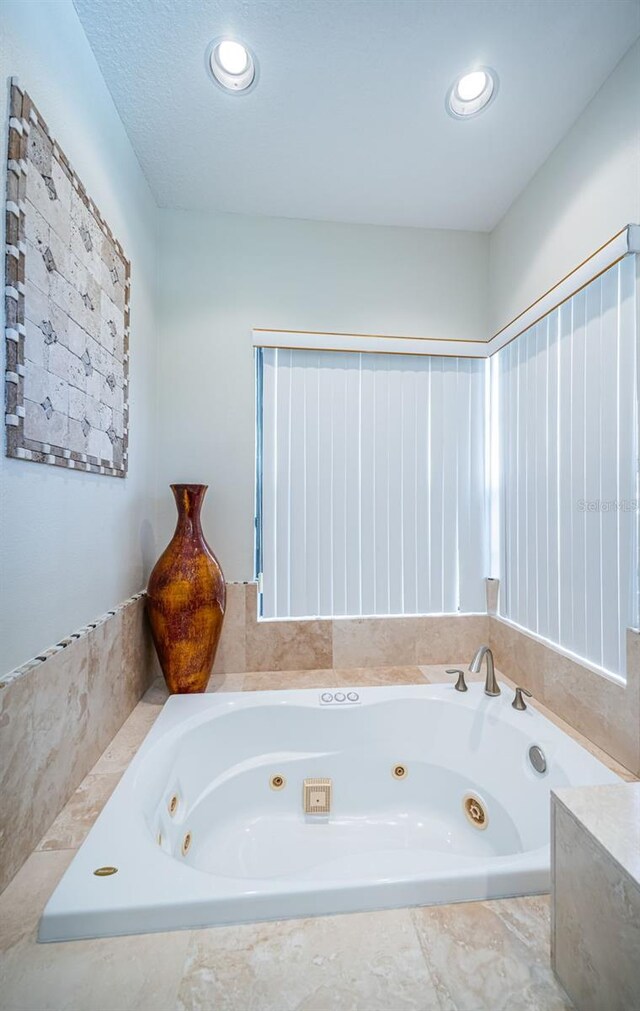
(491, 686)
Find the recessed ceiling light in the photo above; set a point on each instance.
(472, 92)
(232, 65)
(232, 57)
(468, 87)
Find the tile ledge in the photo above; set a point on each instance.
(45, 654)
(624, 862)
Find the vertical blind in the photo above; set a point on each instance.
(567, 419)
(387, 482)
(372, 496)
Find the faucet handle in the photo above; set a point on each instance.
(461, 684)
(519, 702)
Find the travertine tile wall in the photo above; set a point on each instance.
(57, 715)
(251, 645)
(607, 712)
(595, 874)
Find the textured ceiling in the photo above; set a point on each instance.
(347, 122)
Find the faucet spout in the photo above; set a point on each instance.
(491, 686)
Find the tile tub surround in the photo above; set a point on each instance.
(607, 712)
(483, 955)
(595, 937)
(57, 714)
(247, 644)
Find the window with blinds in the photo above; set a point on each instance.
(567, 420)
(394, 484)
(371, 490)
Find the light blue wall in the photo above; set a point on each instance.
(586, 191)
(73, 544)
(222, 274)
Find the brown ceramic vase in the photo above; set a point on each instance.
(186, 599)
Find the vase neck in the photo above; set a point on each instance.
(189, 498)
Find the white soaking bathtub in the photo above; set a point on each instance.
(434, 799)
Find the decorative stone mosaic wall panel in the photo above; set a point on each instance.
(67, 311)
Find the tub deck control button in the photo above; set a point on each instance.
(327, 698)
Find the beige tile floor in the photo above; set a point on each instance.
(481, 956)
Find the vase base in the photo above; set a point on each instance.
(190, 689)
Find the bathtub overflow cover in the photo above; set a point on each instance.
(537, 759)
